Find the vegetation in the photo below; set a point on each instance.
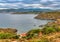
(8, 30)
(48, 15)
(32, 12)
(38, 40)
(45, 31)
(49, 33)
(33, 33)
(46, 34)
(8, 33)
(8, 36)
(48, 30)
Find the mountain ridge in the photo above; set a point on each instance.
(25, 10)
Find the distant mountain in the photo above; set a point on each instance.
(25, 10)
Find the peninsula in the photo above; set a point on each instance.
(48, 15)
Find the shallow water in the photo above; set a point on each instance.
(22, 22)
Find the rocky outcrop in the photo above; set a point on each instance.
(49, 16)
(8, 30)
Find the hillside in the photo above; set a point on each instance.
(48, 15)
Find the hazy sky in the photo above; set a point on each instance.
(46, 4)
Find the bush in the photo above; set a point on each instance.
(33, 33)
(48, 30)
(8, 36)
(57, 29)
(15, 36)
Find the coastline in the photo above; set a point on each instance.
(48, 16)
(50, 31)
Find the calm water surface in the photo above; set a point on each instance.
(22, 22)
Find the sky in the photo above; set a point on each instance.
(44, 4)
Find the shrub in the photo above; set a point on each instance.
(7, 36)
(48, 30)
(33, 33)
(57, 29)
(15, 36)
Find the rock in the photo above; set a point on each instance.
(48, 16)
(8, 30)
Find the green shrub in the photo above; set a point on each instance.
(48, 30)
(7, 36)
(57, 29)
(33, 33)
(15, 36)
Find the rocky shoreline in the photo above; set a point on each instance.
(48, 16)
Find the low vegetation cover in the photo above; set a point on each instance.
(8, 30)
(50, 29)
(35, 35)
(8, 33)
(45, 31)
(48, 15)
(8, 36)
(46, 34)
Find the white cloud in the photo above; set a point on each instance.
(43, 0)
(34, 4)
